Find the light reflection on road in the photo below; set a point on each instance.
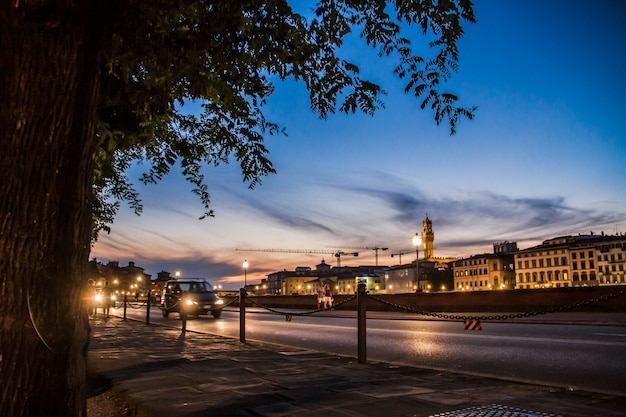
(559, 355)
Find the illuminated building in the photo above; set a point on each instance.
(570, 261)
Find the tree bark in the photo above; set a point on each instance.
(48, 99)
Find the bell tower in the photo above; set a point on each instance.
(428, 238)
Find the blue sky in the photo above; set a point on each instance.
(545, 156)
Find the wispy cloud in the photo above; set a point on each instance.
(491, 211)
(287, 217)
(190, 267)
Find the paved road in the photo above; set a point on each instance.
(586, 357)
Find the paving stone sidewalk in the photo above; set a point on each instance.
(163, 373)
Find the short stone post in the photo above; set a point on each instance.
(242, 315)
(183, 312)
(361, 320)
(125, 301)
(148, 309)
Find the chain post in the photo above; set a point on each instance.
(361, 319)
(183, 313)
(242, 315)
(125, 300)
(183, 319)
(148, 309)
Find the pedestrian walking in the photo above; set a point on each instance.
(90, 297)
(106, 298)
(328, 296)
(321, 295)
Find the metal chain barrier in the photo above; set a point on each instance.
(305, 313)
(228, 303)
(136, 306)
(567, 307)
(177, 303)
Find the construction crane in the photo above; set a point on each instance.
(337, 253)
(374, 248)
(399, 255)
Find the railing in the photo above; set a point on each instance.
(362, 296)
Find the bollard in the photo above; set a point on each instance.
(242, 315)
(183, 313)
(148, 309)
(361, 319)
(125, 300)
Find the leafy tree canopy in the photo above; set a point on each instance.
(163, 53)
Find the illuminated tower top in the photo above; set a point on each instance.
(428, 238)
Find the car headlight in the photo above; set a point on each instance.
(190, 302)
(219, 302)
(113, 298)
(98, 297)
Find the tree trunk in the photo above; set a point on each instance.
(48, 98)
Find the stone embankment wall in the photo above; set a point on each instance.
(474, 301)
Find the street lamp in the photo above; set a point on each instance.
(417, 241)
(177, 273)
(245, 274)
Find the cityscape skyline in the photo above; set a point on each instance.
(560, 261)
(544, 157)
(347, 260)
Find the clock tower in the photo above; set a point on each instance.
(428, 238)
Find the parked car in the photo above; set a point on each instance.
(191, 296)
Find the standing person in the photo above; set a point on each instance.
(91, 297)
(328, 296)
(321, 295)
(106, 298)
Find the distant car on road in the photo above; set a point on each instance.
(191, 296)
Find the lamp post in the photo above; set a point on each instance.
(245, 274)
(177, 273)
(417, 241)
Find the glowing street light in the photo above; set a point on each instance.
(177, 274)
(417, 241)
(245, 273)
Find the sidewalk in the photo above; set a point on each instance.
(161, 373)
